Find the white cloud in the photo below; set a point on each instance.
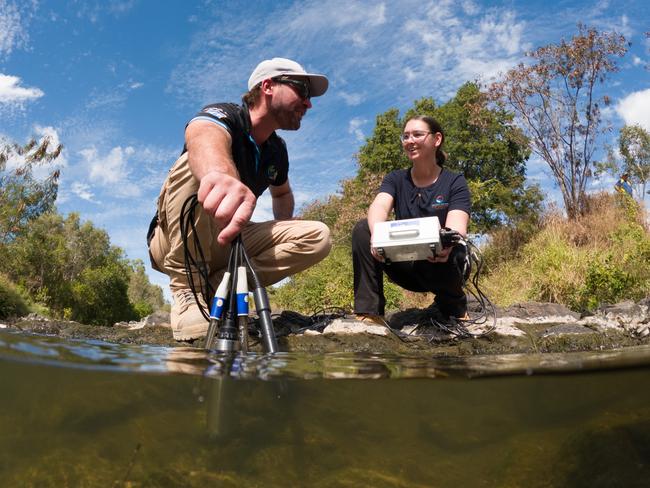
(108, 169)
(95, 10)
(460, 48)
(351, 99)
(113, 97)
(264, 208)
(120, 7)
(83, 191)
(111, 170)
(354, 127)
(428, 48)
(470, 7)
(12, 94)
(118, 172)
(635, 108)
(636, 60)
(409, 73)
(12, 31)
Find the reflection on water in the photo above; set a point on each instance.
(95, 414)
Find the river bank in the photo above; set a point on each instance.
(523, 328)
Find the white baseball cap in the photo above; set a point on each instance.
(271, 68)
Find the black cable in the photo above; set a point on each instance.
(187, 225)
(459, 327)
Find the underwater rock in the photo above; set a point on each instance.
(567, 329)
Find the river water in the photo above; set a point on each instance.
(93, 414)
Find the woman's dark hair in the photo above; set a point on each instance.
(434, 126)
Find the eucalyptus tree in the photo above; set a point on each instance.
(23, 197)
(557, 102)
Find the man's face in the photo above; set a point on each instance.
(290, 101)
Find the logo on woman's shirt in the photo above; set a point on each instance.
(439, 202)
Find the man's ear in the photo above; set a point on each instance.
(267, 87)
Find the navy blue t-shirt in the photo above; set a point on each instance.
(449, 192)
(258, 167)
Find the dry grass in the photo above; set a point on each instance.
(601, 256)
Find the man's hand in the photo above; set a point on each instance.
(228, 201)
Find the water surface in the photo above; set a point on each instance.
(87, 413)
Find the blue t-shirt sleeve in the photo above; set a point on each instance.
(459, 197)
(216, 114)
(389, 184)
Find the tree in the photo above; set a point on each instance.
(72, 268)
(145, 297)
(556, 102)
(99, 296)
(633, 158)
(483, 144)
(23, 197)
(634, 146)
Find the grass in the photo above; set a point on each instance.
(602, 257)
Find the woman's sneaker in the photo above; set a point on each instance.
(186, 318)
(371, 319)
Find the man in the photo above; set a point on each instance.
(623, 185)
(231, 155)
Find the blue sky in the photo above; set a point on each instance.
(115, 81)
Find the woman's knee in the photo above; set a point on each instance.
(361, 234)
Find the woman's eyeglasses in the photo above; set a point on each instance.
(417, 136)
(301, 87)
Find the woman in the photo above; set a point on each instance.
(426, 189)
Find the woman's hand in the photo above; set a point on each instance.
(375, 254)
(440, 257)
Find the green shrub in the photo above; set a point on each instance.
(605, 283)
(100, 296)
(601, 257)
(142, 309)
(12, 303)
(556, 265)
(620, 274)
(328, 284)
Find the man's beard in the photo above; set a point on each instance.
(286, 119)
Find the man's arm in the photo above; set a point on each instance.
(283, 201)
(221, 193)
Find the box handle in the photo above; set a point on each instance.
(404, 233)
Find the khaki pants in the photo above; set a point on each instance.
(277, 249)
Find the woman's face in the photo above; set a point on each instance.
(419, 142)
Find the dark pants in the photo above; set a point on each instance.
(443, 279)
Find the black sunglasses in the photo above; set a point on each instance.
(301, 87)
